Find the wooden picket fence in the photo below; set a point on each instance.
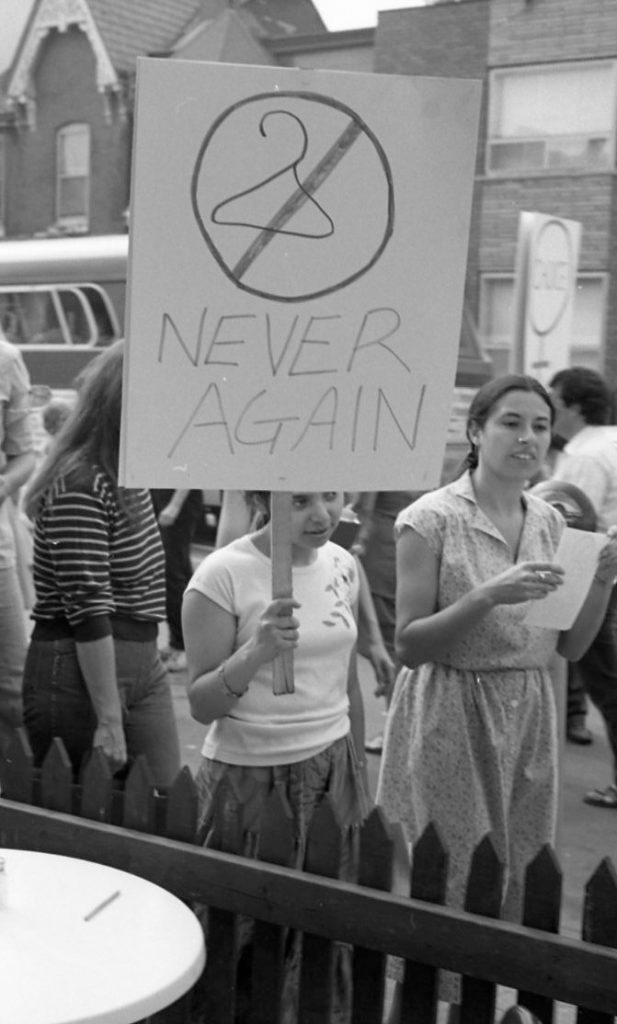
(152, 834)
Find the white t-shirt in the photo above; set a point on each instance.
(264, 729)
(589, 461)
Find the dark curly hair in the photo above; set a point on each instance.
(259, 506)
(581, 386)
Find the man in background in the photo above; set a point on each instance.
(583, 407)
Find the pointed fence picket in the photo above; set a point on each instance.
(138, 828)
(541, 905)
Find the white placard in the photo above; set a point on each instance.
(577, 554)
(297, 259)
(545, 289)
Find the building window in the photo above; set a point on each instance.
(73, 177)
(496, 321)
(553, 118)
(2, 184)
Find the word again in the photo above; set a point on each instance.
(331, 424)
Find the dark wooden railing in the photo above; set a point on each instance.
(153, 834)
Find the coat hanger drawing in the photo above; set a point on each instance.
(290, 168)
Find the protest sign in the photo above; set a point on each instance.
(297, 258)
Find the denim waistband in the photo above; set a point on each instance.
(122, 627)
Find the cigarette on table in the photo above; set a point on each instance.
(97, 910)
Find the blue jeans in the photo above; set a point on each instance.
(57, 703)
(13, 643)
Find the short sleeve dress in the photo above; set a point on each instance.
(471, 740)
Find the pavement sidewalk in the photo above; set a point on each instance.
(588, 834)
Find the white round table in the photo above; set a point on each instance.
(81, 943)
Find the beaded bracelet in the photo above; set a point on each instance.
(227, 690)
(607, 581)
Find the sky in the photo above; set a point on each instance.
(342, 14)
(13, 14)
(336, 14)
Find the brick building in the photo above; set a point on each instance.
(546, 140)
(552, 120)
(547, 135)
(66, 103)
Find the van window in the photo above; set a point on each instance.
(103, 311)
(57, 315)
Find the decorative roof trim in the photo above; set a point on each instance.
(59, 14)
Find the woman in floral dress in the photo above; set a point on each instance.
(471, 737)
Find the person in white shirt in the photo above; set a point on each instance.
(306, 743)
(583, 405)
(16, 465)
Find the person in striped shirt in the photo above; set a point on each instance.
(93, 674)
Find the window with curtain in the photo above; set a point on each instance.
(496, 321)
(552, 118)
(73, 175)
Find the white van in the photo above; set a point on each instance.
(61, 300)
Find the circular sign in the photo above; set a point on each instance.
(293, 195)
(551, 276)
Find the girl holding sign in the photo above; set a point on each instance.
(471, 736)
(303, 744)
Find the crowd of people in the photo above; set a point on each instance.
(435, 588)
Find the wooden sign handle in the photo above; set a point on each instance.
(282, 584)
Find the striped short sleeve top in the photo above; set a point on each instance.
(96, 556)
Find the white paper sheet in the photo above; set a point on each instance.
(577, 554)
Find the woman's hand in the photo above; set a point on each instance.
(110, 739)
(383, 667)
(527, 581)
(168, 516)
(278, 628)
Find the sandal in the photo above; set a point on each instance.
(602, 797)
(374, 746)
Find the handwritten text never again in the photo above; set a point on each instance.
(330, 380)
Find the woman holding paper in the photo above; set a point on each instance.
(471, 736)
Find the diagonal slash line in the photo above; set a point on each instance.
(309, 186)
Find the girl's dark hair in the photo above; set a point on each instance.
(488, 396)
(259, 506)
(91, 435)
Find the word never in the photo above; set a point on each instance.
(311, 345)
